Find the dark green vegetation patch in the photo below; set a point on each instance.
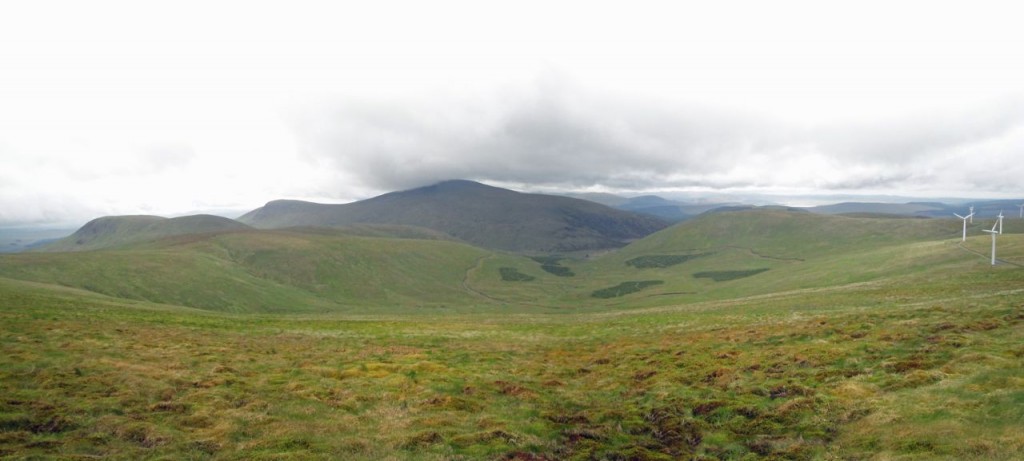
(624, 289)
(511, 274)
(659, 261)
(721, 276)
(551, 265)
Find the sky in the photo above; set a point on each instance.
(176, 107)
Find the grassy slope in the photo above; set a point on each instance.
(923, 366)
(317, 269)
(800, 250)
(266, 271)
(901, 349)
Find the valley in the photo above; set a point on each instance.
(745, 334)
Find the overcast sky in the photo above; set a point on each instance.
(170, 107)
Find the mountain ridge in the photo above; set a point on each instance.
(479, 214)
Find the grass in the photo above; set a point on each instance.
(843, 372)
(906, 350)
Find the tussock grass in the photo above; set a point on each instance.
(924, 371)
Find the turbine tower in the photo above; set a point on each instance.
(1000, 222)
(994, 233)
(1021, 210)
(965, 218)
(972, 214)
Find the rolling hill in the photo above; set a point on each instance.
(374, 267)
(739, 253)
(771, 335)
(299, 270)
(481, 215)
(114, 231)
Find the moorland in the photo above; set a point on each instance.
(749, 334)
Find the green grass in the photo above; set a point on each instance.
(905, 348)
(843, 372)
(267, 271)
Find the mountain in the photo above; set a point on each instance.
(673, 211)
(114, 231)
(603, 198)
(482, 215)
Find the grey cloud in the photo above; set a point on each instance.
(553, 135)
(922, 135)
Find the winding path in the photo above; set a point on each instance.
(465, 279)
(987, 256)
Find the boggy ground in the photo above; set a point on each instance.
(880, 370)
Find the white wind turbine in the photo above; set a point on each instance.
(965, 218)
(1021, 210)
(1000, 222)
(994, 232)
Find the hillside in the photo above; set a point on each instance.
(115, 231)
(485, 216)
(790, 234)
(377, 267)
(729, 254)
(864, 339)
(266, 271)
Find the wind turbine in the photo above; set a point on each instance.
(1021, 210)
(972, 214)
(965, 218)
(1000, 222)
(994, 233)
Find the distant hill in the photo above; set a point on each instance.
(672, 211)
(603, 198)
(114, 231)
(374, 267)
(13, 240)
(785, 233)
(906, 209)
(482, 215)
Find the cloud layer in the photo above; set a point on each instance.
(556, 135)
(118, 107)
